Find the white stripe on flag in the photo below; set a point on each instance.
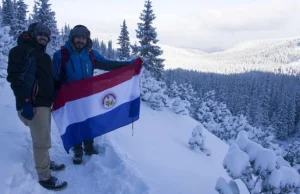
(91, 106)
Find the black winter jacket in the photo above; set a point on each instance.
(30, 73)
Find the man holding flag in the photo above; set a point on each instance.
(74, 62)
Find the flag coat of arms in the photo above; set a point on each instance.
(92, 107)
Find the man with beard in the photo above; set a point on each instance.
(30, 74)
(76, 61)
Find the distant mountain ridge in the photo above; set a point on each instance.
(272, 55)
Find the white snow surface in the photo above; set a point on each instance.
(156, 159)
(236, 161)
(242, 140)
(283, 177)
(252, 149)
(265, 160)
(223, 186)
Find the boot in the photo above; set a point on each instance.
(89, 148)
(78, 152)
(56, 167)
(53, 184)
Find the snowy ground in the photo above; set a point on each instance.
(156, 159)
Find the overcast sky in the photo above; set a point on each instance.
(186, 23)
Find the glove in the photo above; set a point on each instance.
(27, 111)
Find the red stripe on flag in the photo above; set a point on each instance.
(87, 87)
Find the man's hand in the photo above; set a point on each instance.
(138, 60)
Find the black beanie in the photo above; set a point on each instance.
(36, 28)
(80, 30)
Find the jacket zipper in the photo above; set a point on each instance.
(81, 65)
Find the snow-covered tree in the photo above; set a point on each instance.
(219, 120)
(103, 49)
(186, 92)
(124, 42)
(6, 43)
(212, 113)
(1, 14)
(148, 48)
(34, 16)
(45, 15)
(110, 50)
(8, 15)
(134, 50)
(30, 20)
(153, 92)
(181, 107)
(197, 141)
(259, 168)
(267, 100)
(20, 18)
(173, 90)
(292, 153)
(96, 44)
(181, 104)
(65, 32)
(224, 187)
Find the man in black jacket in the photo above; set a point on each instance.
(31, 78)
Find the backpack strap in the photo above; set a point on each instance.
(65, 56)
(92, 57)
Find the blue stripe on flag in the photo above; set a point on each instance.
(96, 126)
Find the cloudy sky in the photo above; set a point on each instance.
(186, 23)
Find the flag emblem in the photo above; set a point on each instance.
(109, 101)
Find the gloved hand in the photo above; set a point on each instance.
(27, 111)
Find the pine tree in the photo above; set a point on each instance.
(124, 42)
(1, 14)
(266, 97)
(110, 51)
(34, 15)
(292, 153)
(44, 14)
(103, 49)
(134, 50)
(65, 32)
(116, 55)
(181, 107)
(6, 43)
(30, 20)
(8, 15)
(148, 48)
(153, 92)
(173, 90)
(96, 45)
(280, 119)
(197, 141)
(21, 21)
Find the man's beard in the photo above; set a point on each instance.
(79, 45)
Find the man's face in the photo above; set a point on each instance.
(80, 42)
(42, 38)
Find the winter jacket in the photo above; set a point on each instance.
(79, 65)
(30, 73)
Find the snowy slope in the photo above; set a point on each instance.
(265, 55)
(156, 159)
